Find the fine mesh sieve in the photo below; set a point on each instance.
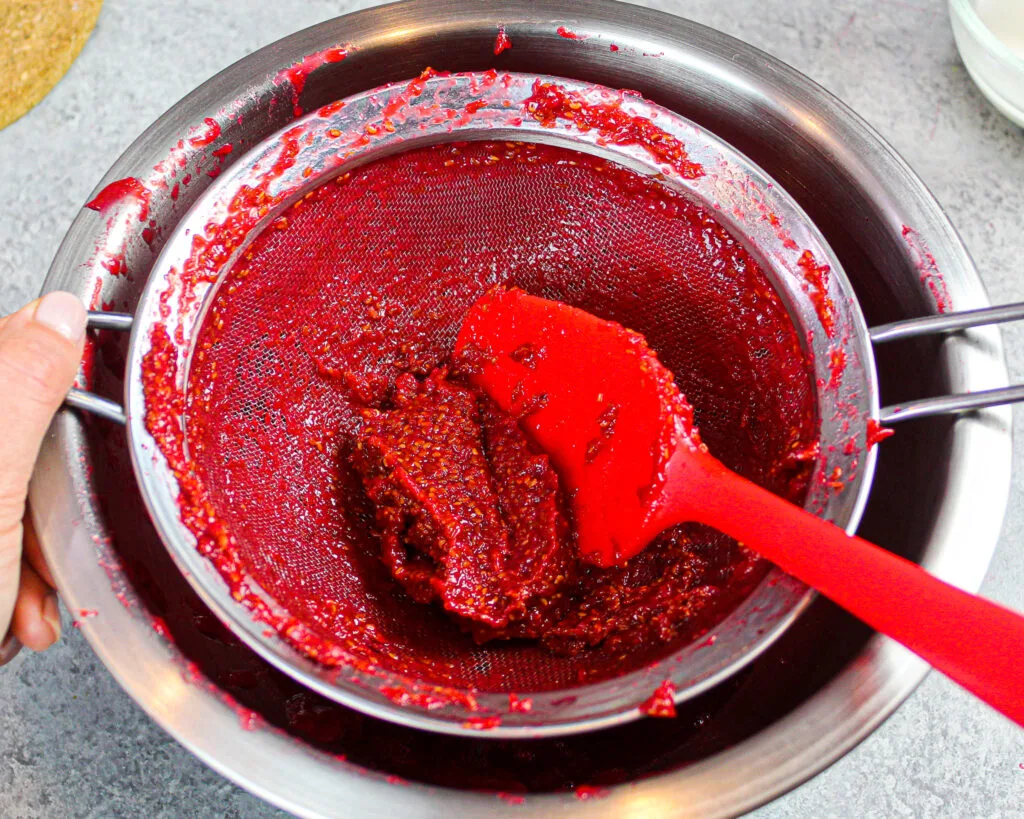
(255, 357)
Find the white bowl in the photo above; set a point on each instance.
(993, 65)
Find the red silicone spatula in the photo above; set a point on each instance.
(595, 397)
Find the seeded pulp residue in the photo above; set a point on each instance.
(366, 279)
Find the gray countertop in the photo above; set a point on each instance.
(72, 743)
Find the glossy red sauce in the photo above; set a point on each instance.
(297, 74)
(569, 35)
(364, 283)
(876, 433)
(120, 191)
(816, 277)
(661, 703)
(482, 723)
(928, 270)
(502, 42)
(205, 135)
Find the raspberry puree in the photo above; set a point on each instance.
(456, 484)
(325, 341)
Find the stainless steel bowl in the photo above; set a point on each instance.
(832, 163)
(332, 142)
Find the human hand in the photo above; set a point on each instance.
(40, 351)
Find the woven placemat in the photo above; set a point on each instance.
(39, 40)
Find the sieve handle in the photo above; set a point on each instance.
(945, 323)
(951, 404)
(102, 320)
(88, 401)
(949, 322)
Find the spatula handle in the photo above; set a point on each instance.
(976, 643)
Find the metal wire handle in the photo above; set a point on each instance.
(895, 331)
(931, 325)
(88, 401)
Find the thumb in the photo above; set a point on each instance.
(40, 352)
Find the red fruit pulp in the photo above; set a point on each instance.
(367, 282)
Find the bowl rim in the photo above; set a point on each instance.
(966, 12)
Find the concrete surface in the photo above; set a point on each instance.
(73, 744)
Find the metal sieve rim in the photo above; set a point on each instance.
(734, 178)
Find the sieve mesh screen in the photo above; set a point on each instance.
(368, 277)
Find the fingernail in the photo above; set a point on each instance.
(63, 313)
(9, 649)
(51, 614)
